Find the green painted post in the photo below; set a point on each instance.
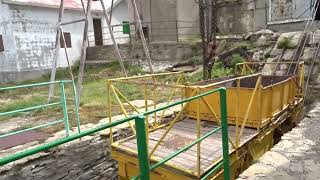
(64, 108)
(224, 127)
(77, 105)
(142, 148)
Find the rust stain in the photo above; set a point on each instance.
(176, 141)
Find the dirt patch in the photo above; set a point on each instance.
(22, 138)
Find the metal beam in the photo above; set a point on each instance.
(113, 39)
(57, 51)
(144, 43)
(72, 22)
(83, 50)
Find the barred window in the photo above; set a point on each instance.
(67, 37)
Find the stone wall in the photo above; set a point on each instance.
(161, 53)
(295, 157)
(87, 158)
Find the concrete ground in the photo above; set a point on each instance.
(295, 157)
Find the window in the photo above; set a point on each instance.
(67, 37)
(1, 44)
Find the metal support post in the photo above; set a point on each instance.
(112, 38)
(144, 43)
(57, 51)
(224, 127)
(65, 109)
(142, 148)
(83, 49)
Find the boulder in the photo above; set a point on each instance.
(293, 36)
(275, 52)
(258, 55)
(308, 53)
(268, 68)
(269, 34)
(262, 41)
(314, 38)
(288, 55)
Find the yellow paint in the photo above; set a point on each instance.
(267, 104)
(275, 99)
(250, 150)
(129, 168)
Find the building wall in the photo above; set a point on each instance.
(29, 38)
(290, 15)
(260, 14)
(119, 14)
(162, 14)
(281, 10)
(188, 18)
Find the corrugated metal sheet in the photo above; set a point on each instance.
(68, 4)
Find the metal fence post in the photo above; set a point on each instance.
(77, 106)
(64, 108)
(177, 31)
(142, 148)
(224, 127)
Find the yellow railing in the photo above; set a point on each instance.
(257, 107)
(145, 82)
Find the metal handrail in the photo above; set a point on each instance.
(142, 148)
(140, 125)
(62, 102)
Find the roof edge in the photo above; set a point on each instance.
(10, 2)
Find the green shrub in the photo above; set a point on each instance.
(236, 58)
(285, 43)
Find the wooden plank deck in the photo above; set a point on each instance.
(182, 134)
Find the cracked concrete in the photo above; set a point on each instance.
(295, 157)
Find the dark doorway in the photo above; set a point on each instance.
(97, 29)
(317, 17)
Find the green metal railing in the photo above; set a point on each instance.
(62, 103)
(144, 164)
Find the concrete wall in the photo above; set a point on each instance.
(188, 16)
(235, 17)
(162, 14)
(260, 15)
(158, 51)
(29, 38)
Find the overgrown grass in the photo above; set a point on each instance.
(93, 104)
(94, 93)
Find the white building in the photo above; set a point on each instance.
(28, 31)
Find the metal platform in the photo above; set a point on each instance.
(181, 135)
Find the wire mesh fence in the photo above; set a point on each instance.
(153, 31)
